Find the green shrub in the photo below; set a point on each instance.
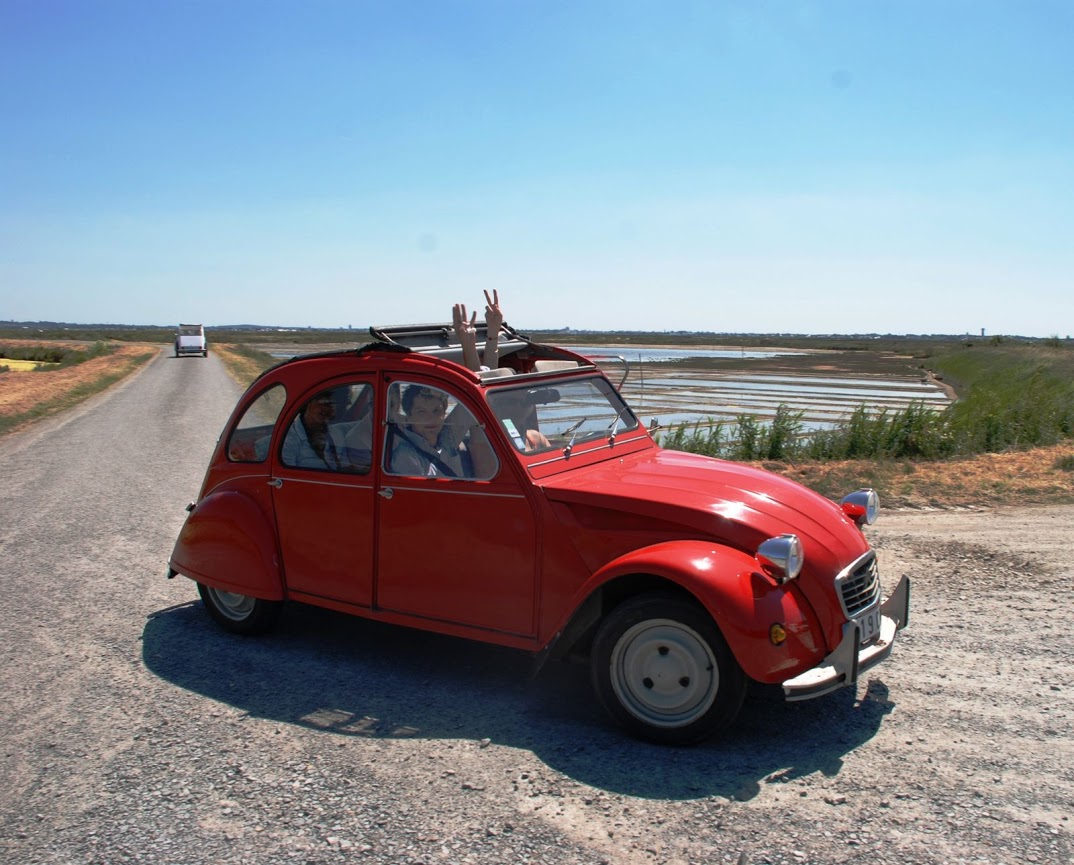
(55, 356)
(704, 439)
(1065, 464)
(783, 434)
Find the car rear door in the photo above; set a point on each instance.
(325, 508)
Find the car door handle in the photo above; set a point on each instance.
(387, 492)
(276, 482)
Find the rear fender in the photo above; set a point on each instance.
(227, 543)
(743, 602)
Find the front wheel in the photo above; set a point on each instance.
(240, 614)
(663, 670)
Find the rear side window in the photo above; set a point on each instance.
(252, 435)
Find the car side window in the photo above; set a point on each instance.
(332, 431)
(432, 434)
(250, 439)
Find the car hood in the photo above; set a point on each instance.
(702, 497)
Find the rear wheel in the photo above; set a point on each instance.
(663, 670)
(240, 614)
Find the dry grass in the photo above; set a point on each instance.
(241, 368)
(1038, 476)
(26, 397)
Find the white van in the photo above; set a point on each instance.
(190, 339)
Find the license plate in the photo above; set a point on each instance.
(869, 625)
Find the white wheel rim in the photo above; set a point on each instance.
(234, 606)
(664, 673)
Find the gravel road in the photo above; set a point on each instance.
(135, 731)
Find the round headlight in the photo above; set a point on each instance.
(861, 506)
(781, 557)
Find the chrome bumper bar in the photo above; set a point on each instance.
(843, 666)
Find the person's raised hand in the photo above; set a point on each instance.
(466, 331)
(460, 322)
(493, 313)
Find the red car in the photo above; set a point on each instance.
(526, 506)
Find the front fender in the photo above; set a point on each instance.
(226, 542)
(743, 601)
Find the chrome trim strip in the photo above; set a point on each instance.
(455, 492)
(289, 480)
(259, 477)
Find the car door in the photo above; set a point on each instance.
(323, 494)
(456, 533)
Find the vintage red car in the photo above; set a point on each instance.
(527, 506)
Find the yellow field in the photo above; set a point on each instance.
(22, 365)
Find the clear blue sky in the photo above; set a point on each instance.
(811, 167)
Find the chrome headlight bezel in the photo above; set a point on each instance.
(781, 557)
(861, 506)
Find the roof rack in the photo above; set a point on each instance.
(440, 339)
(518, 354)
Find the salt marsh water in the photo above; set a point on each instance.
(724, 397)
(674, 396)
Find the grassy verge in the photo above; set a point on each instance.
(244, 363)
(26, 397)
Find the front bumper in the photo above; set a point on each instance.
(843, 666)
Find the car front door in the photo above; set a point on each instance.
(457, 535)
(323, 494)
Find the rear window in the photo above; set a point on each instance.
(250, 439)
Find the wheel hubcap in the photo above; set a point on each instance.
(236, 607)
(664, 673)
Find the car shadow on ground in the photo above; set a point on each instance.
(352, 677)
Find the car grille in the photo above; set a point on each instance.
(858, 586)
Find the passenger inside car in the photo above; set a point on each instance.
(519, 418)
(315, 441)
(428, 441)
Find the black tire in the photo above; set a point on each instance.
(240, 614)
(662, 669)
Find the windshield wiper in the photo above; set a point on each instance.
(611, 427)
(573, 430)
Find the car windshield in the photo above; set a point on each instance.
(561, 415)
